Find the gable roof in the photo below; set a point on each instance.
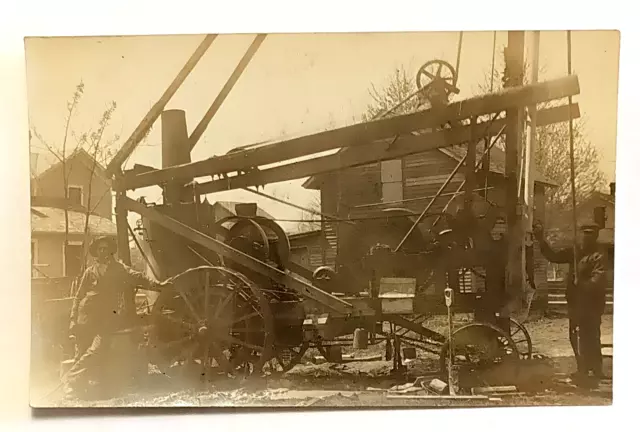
(85, 158)
(50, 220)
(497, 161)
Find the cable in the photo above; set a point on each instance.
(493, 60)
(458, 58)
(573, 170)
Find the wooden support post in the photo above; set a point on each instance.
(122, 231)
(124, 254)
(175, 151)
(514, 61)
(470, 165)
(530, 149)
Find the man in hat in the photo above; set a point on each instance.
(586, 298)
(98, 311)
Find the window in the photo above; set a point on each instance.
(73, 258)
(75, 195)
(555, 272)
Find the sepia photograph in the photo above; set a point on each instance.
(313, 220)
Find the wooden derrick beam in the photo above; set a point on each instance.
(514, 60)
(301, 286)
(404, 146)
(378, 151)
(155, 111)
(219, 100)
(363, 132)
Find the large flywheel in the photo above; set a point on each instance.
(215, 317)
(480, 349)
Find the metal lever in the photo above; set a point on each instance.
(448, 300)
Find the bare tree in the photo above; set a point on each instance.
(552, 155)
(399, 86)
(552, 152)
(95, 144)
(308, 220)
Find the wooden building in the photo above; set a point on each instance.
(88, 198)
(410, 183)
(307, 248)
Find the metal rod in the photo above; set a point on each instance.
(486, 151)
(428, 207)
(573, 174)
(144, 256)
(219, 100)
(473, 167)
(155, 111)
(415, 199)
(281, 201)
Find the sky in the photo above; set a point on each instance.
(295, 84)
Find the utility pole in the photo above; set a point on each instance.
(533, 55)
(514, 74)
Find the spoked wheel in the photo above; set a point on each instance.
(477, 347)
(215, 317)
(521, 338)
(285, 358)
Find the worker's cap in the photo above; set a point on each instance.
(103, 240)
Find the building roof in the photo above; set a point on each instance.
(303, 233)
(230, 206)
(607, 198)
(497, 162)
(83, 156)
(52, 220)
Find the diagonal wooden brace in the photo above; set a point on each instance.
(294, 282)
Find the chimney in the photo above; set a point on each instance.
(612, 189)
(246, 209)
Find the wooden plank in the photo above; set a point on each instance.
(296, 283)
(408, 144)
(431, 180)
(363, 133)
(155, 111)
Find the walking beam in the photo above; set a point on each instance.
(363, 132)
(378, 151)
(130, 145)
(289, 279)
(219, 100)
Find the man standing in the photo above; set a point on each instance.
(586, 298)
(98, 311)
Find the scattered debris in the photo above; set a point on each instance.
(443, 397)
(493, 390)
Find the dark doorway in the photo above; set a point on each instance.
(73, 260)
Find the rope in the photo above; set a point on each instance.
(493, 60)
(573, 170)
(458, 59)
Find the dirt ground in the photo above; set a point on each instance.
(366, 384)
